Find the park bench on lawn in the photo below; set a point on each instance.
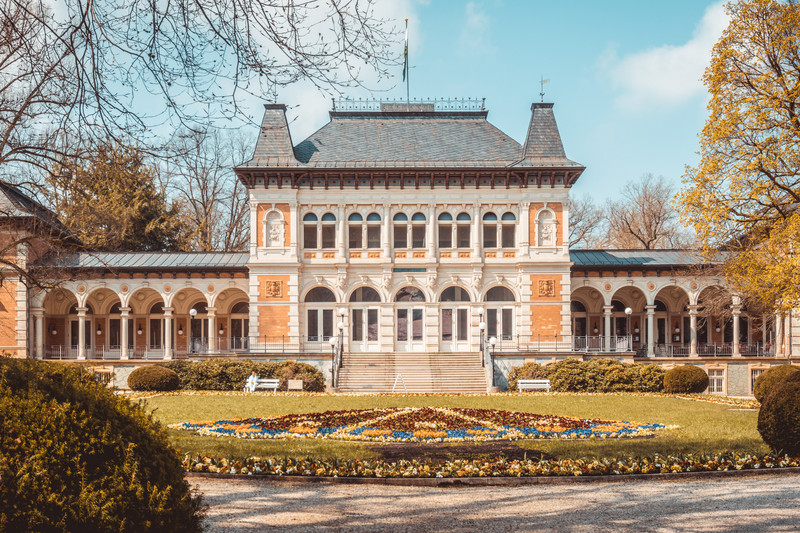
(533, 384)
(268, 384)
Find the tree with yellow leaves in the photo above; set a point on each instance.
(743, 198)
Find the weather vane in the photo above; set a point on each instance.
(541, 84)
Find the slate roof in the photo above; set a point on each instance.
(16, 204)
(419, 138)
(157, 260)
(634, 258)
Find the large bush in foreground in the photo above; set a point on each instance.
(779, 416)
(75, 457)
(771, 377)
(227, 374)
(153, 378)
(685, 379)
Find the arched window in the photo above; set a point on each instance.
(508, 230)
(310, 225)
(661, 306)
(157, 308)
(355, 223)
(400, 225)
(455, 294)
(499, 294)
(577, 307)
(328, 231)
(320, 294)
(241, 308)
(115, 309)
(617, 306)
(445, 230)
(463, 221)
(418, 230)
(490, 230)
(365, 294)
(373, 230)
(409, 294)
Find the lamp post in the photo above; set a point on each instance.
(628, 312)
(192, 314)
(482, 329)
(340, 326)
(492, 342)
(332, 340)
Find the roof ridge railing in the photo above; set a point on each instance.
(439, 104)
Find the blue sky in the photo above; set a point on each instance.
(625, 76)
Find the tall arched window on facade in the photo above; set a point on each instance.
(508, 230)
(490, 230)
(418, 230)
(355, 223)
(409, 316)
(364, 307)
(400, 226)
(328, 231)
(454, 322)
(373, 230)
(320, 302)
(310, 223)
(463, 222)
(500, 312)
(445, 230)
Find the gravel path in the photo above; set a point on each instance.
(765, 503)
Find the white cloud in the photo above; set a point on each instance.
(668, 75)
(475, 32)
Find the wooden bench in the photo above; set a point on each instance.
(268, 384)
(533, 384)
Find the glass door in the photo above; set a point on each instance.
(409, 329)
(455, 329)
(364, 329)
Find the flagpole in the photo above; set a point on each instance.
(406, 69)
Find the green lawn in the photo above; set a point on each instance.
(704, 427)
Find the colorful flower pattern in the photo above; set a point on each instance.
(418, 424)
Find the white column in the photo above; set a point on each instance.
(254, 227)
(385, 234)
(607, 326)
(692, 331)
(123, 314)
(38, 314)
(524, 233)
(651, 341)
(81, 333)
(778, 335)
(212, 329)
(168, 332)
(736, 310)
(476, 226)
(294, 231)
(340, 231)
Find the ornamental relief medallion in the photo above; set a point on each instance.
(547, 288)
(273, 289)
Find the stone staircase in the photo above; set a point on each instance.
(422, 372)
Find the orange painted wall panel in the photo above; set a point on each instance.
(283, 208)
(8, 313)
(545, 320)
(273, 320)
(533, 212)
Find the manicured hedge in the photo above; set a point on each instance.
(596, 375)
(226, 374)
(153, 378)
(76, 457)
(685, 379)
(771, 377)
(779, 416)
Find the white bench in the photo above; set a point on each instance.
(268, 384)
(533, 384)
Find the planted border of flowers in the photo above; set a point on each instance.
(670, 464)
(421, 424)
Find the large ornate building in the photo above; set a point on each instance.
(413, 245)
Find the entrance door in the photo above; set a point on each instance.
(239, 329)
(409, 329)
(455, 329)
(364, 329)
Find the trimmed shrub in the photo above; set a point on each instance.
(229, 375)
(526, 371)
(771, 377)
(646, 378)
(76, 457)
(685, 379)
(603, 375)
(153, 378)
(569, 375)
(779, 416)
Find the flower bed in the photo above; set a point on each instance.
(491, 468)
(419, 424)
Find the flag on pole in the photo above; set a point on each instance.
(405, 54)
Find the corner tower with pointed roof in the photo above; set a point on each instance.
(418, 228)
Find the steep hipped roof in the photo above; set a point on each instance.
(16, 204)
(396, 136)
